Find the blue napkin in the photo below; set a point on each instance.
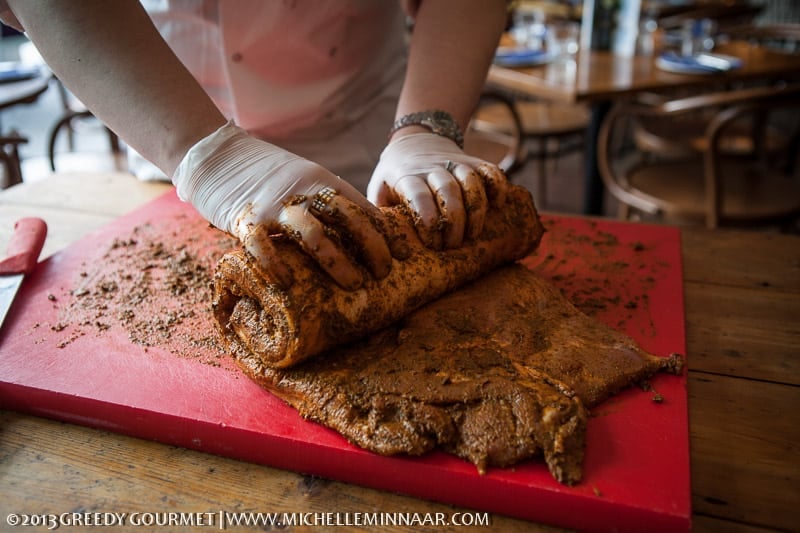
(703, 63)
(13, 71)
(521, 57)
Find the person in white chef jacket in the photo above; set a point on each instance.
(278, 115)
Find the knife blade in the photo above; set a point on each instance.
(22, 255)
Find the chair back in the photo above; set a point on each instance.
(713, 184)
(723, 14)
(495, 132)
(780, 37)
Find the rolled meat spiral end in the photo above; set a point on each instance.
(282, 327)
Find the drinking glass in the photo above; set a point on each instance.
(562, 40)
(528, 28)
(697, 36)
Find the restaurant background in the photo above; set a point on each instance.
(90, 150)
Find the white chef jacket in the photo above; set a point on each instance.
(320, 78)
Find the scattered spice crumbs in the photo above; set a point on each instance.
(601, 275)
(154, 286)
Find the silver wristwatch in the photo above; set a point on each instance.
(439, 122)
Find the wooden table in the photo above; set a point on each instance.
(742, 293)
(25, 91)
(599, 78)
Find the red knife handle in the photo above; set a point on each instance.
(25, 246)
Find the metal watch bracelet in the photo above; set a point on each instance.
(438, 121)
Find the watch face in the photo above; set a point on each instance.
(439, 126)
(435, 125)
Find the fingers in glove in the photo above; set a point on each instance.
(495, 182)
(474, 196)
(417, 196)
(356, 223)
(257, 240)
(447, 192)
(379, 193)
(347, 191)
(311, 235)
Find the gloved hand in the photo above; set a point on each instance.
(253, 189)
(447, 190)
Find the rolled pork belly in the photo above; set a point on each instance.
(284, 326)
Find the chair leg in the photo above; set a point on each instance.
(793, 153)
(557, 152)
(10, 158)
(62, 91)
(541, 195)
(113, 141)
(6, 180)
(66, 121)
(13, 174)
(16, 163)
(624, 211)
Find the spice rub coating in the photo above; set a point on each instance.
(285, 325)
(497, 372)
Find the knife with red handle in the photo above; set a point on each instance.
(21, 258)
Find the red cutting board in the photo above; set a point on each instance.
(101, 374)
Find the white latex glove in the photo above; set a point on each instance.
(253, 189)
(447, 190)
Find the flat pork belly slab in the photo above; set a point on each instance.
(497, 372)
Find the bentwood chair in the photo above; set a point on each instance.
(10, 161)
(73, 113)
(495, 132)
(20, 86)
(542, 131)
(710, 185)
(656, 135)
(724, 14)
(783, 38)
